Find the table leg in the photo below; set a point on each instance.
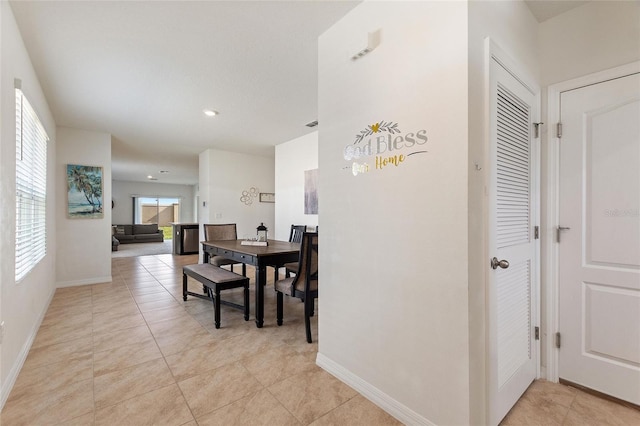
(261, 280)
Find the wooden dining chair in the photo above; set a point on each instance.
(295, 236)
(305, 284)
(222, 232)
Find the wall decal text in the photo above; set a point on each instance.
(387, 143)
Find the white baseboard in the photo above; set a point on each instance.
(375, 395)
(8, 383)
(88, 281)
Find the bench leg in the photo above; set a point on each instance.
(246, 302)
(184, 287)
(216, 306)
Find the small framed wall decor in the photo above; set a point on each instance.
(267, 197)
(84, 192)
(311, 191)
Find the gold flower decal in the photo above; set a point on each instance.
(380, 126)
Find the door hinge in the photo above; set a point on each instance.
(536, 333)
(536, 232)
(558, 340)
(536, 129)
(559, 130)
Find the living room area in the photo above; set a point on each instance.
(142, 214)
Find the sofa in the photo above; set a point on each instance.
(126, 234)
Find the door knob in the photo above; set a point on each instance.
(504, 264)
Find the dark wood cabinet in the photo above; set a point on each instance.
(186, 238)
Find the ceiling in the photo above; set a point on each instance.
(143, 71)
(547, 9)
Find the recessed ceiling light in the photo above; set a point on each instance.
(149, 177)
(209, 112)
(164, 171)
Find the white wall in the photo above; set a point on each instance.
(292, 159)
(123, 191)
(511, 26)
(593, 37)
(394, 258)
(196, 201)
(223, 177)
(22, 305)
(84, 244)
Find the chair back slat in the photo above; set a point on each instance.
(220, 232)
(295, 236)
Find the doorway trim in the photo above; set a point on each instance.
(550, 215)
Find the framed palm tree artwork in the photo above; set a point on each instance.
(84, 192)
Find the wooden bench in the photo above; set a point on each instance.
(216, 279)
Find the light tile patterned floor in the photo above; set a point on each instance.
(546, 403)
(131, 352)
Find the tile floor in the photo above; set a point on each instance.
(546, 403)
(131, 352)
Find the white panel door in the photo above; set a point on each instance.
(513, 206)
(599, 255)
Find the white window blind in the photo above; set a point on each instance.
(31, 187)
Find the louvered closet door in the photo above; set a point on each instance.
(513, 355)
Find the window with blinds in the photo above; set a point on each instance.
(31, 187)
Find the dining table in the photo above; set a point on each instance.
(275, 254)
